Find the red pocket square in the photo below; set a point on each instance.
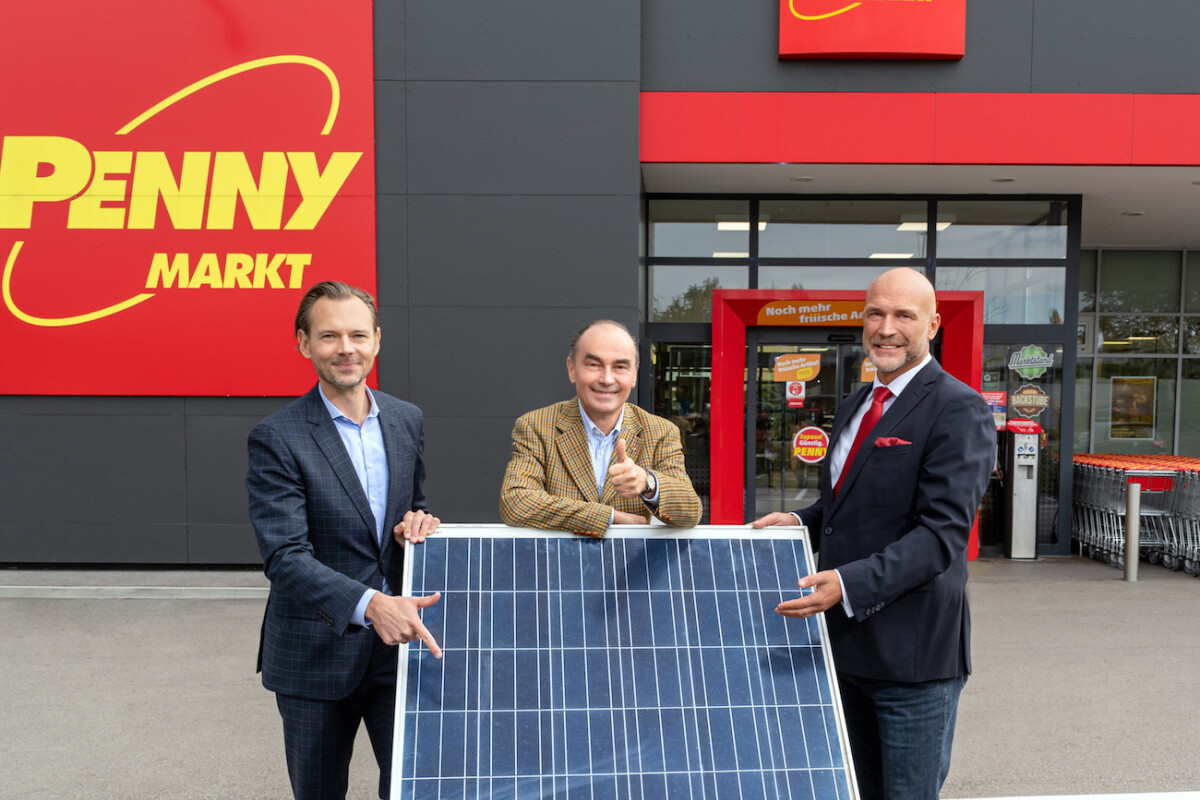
(890, 441)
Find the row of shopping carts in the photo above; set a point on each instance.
(1169, 521)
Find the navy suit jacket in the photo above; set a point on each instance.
(897, 531)
(316, 534)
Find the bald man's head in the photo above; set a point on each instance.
(899, 321)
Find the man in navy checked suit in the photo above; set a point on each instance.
(335, 484)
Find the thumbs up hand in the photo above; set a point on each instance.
(627, 478)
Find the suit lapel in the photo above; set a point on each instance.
(393, 437)
(572, 445)
(326, 436)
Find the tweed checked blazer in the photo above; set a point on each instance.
(549, 482)
(316, 534)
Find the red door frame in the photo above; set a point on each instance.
(734, 309)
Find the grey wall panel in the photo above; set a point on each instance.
(254, 408)
(715, 46)
(216, 469)
(465, 459)
(95, 542)
(523, 251)
(391, 254)
(89, 406)
(391, 145)
(222, 545)
(390, 40)
(1115, 46)
(497, 362)
(93, 469)
(1011, 46)
(392, 366)
(997, 59)
(522, 138)
(527, 41)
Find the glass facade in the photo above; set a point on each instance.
(1139, 352)
(1016, 252)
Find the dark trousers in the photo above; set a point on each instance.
(319, 734)
(900, 735)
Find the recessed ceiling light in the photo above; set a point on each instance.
(804, 179)
(1003, 180)
(890, 255)
(1133, 213)
(921, 227)
(734, 225)
(719, 254)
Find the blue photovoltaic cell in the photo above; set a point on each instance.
(646, 666)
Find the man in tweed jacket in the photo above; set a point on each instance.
(335, 484)
(595, 460)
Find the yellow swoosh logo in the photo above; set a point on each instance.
(814, 17)
(334, 100)
(216, 77)
(60, 321)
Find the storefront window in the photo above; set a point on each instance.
(1026, 382)
(1087, 280)
(1134, 405)
(813, 278)
(1138, 334)
(682, 387)
(700, 228)
(1189, 409)
(1191, 333)
(1139, 280)
(842, 229)
(1192, 289)
(1083, 405)
(684, 293)
(1002, 229)
(1012, 295)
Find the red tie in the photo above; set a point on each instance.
(882, 393)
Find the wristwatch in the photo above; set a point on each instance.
(651, 485)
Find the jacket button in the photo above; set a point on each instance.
(829, 531)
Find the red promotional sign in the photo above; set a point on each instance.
(1023, 426)
(925, 29)
(172, 177)
(810, 445)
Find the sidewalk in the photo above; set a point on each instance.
(1083, 684)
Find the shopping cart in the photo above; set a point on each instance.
(1169, 522)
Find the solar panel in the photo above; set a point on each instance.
(648, 664)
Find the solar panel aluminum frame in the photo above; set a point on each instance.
(414, 651)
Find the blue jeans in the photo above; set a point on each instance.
(900, 735)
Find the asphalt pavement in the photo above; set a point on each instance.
(141, 684)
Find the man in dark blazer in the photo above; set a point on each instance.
(335, 484)
(891, 527)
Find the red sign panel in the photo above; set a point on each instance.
(929, 29)
(172, 177)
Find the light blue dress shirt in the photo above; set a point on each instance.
(364, 445)
(601, 447)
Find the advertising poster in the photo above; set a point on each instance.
(998, 403)
(172, 177)
(1133, 401)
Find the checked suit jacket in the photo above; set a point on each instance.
(897, 531)
(316, 534)
(549, 482)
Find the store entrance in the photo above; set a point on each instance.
(796, 379)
